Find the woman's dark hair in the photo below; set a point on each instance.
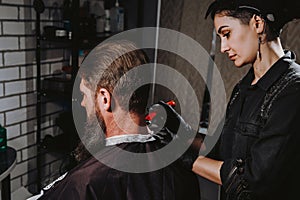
(245, 15)
(275, 13)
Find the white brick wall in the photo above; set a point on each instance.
(14, 1)
(33, 85)
(1, 59)
(22, 142)
(31, 99)
(23, 11)
(19, 169)
(18, 143)
(56, 67)
(15, 184)
(16, 116)
(13, 131)
(15, 87)
(23, 72)
(1, 89)
(24, 129)
(31, 112)
(9, 73)
(14, 28)
(2, 119)
(8, 12)
(9, 103)
(8, 43)
(28, 71)
(45, 69)
(28, 126)
(17, 103)
(30, 45)
(23, 100)
(28, 99)
(14, 58)
(19, 157)
(29, 153)
(25, 179)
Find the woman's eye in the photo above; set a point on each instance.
(226, 35)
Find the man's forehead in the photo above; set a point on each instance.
(83, 85)
(82, 82)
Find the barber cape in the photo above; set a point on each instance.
(93, 179)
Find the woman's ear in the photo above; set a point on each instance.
(104, 99)
(258, 23)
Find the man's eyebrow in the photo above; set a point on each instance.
(220, 29)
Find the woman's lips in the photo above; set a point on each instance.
(232, 57)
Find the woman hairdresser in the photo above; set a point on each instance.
(259, 148)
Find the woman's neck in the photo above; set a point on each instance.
(271, 52)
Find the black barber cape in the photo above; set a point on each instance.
(94, 180)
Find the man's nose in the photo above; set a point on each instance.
(82, 103)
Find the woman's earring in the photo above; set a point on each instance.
(258, 51)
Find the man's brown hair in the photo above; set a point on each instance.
(110, 61)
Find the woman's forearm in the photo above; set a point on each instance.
(208, 168)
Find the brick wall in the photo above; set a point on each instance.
(18, 89)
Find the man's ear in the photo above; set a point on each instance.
(259, 24)
(104, 99)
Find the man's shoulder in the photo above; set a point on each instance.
(85, 175)
(88, 169)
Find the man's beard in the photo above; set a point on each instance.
(93, 139)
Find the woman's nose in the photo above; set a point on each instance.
(224, 46)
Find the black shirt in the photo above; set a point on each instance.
(93, 180)
(260, 140)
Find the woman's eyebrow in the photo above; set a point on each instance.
(220, 29)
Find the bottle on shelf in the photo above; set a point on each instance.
(117, 18)
(66, 17)
(97, 11)
(3, 138)
(56, 15)
(107, 21)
